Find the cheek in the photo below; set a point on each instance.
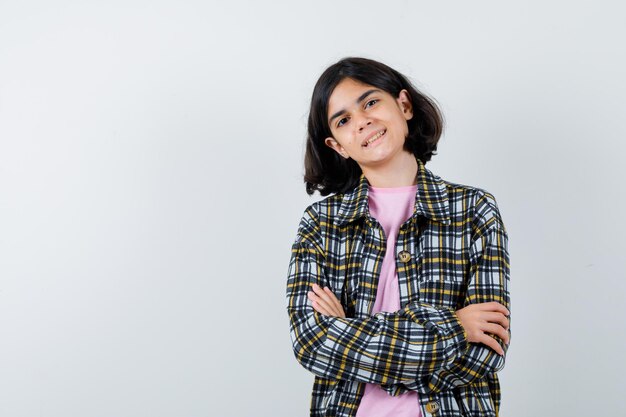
(397, 118)
(401, 125)
(347, 141)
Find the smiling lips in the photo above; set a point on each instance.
(374, 138)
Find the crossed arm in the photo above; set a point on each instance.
(388, 348)
(425, 346)
(485, 316)
(478, 320)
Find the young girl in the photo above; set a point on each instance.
(397, 288)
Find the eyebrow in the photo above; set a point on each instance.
(357, 101)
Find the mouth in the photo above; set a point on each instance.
(374, 138)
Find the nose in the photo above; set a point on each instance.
(363, 121)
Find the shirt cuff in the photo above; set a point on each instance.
(445, 323)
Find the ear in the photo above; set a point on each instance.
(404, 101)
(334, 145)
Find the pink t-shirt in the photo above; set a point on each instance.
(391, 207)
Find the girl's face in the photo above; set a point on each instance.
(368, 124)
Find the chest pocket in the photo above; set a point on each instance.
(443, 293)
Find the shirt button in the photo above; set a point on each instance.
(432, 407)
(404, 256)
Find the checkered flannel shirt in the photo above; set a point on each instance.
(458, 256)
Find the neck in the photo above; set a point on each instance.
(402, 173)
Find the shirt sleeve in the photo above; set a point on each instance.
(386, 348)
(488, 281)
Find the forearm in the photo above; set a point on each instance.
(477, 362)
(386, 348)
(467, 369)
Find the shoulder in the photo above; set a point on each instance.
(477, 203)
(475, 195)
(323, 210)
(318, 215)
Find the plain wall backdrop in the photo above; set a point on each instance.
(151, 159)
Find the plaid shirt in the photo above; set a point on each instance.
(450, 253)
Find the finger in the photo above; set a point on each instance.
(325, 298)
(335, 301)
(501, 308)
(497, 307)
(499, 318)
(494, 306)
(497, 330)
(322, 306)
(492, 343)
(331, 295)
(328, 299)
(321, 310)
(316, 305)
(314, 299)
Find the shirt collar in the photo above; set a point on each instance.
(431, 199)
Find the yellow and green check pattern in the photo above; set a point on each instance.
(458, 255)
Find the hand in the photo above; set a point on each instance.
(325, 302)
(483, 318)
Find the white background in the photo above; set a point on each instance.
(151, 158)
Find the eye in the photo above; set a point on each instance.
(374, 101)
(341, 122)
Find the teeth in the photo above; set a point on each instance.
(379, 134)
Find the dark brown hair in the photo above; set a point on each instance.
(327, 172)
